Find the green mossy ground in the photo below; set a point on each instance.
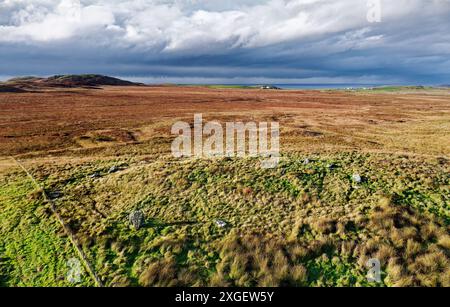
(295, 225)
(33, 250)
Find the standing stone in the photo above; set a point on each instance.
(136, 219)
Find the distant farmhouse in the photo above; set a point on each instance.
(269, 87)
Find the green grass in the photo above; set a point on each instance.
(32, 250)
(298, 224)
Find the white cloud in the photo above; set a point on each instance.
(193, 25)
(35, 21)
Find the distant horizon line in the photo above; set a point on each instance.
(293, 84)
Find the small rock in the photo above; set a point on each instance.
(442, 160)
(113, 169)
(55, 194)
(356, 178)
(94, 175)
(220, 223)
(136, 219)
(307, 161)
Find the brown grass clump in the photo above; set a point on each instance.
(324, 225)
(295, 230)
(161, 273)
(120, 281)
(445, 278)
(406, 281)
(347, 248)
(412, 248)
(410, 258)
(298, 252)
(429, 231)
(397, 276)
(36, 194)
(252, 260)
(299, 274)
(430, 262)
(218, 280)
(444, 242)
(166, 273)
(385, 253)
(367, 251)
(385, 215)
(431, 269)
(239, 266)
(398, 237)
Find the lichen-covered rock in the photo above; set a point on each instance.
(136, 219)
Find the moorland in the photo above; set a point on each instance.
(99, 152)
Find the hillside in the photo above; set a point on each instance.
(10, 89)
(70, 81)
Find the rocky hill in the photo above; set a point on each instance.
(10, 89)
(70, 81)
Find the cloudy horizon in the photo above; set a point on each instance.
(236, 42)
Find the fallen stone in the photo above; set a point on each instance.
(220, 223)
(113, 169)
(356, 178)
(55, 194)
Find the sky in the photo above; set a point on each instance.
(236, 42)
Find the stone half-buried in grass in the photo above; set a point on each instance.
(94, 175)
(113, 169)
(356, 178)
(54, 194)
(220, 223)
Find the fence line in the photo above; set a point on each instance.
(67, 230)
